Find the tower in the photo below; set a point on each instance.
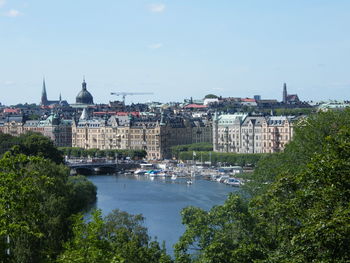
(285, 93)
(44, 95)
(44, 100)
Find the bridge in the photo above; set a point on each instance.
(107, 167)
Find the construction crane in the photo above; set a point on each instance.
(124, 94)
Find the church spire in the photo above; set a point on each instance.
(285, 93)
(43, 94)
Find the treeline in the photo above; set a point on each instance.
(205, 147)
(31, 144)
(295, 207)
(120, 154)
(222, 158)
(203, 152)
(291, 111)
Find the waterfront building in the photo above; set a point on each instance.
(92, 133)
(152, 134)
(202, 131)
(227, 132)
(240, 133)
(251, 132)
(277, 132)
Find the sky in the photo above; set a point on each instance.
(175, 49)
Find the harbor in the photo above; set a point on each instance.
(230, 175)
(159, 200)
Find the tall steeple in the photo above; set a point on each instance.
(284, 93)
(43, 94)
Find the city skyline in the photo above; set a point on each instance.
(175, 49)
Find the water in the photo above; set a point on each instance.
(159, 201)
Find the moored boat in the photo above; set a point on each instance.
(233, 182)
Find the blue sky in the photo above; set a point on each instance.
(174, 48)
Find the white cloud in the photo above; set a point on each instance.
(13, 13)
(155, 46)
(9, 83)
(157, 8)
(2, 2)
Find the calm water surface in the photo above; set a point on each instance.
(160, 201)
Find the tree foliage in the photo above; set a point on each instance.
(34, 208)
(82, 193)
(210, 96)
(37, 200)
(119, 237)
(222, 158)
(112, 153)
(176, 150)
(31, 144)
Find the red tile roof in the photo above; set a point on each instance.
(121, 113)
(248, 100)
(133, 113)
(9, 110)
(195, 106)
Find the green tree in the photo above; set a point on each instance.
(34, 211)
(82, 193)
(35, 144)
(308, 213)
(119, 237)
(224, 234)
(7, 141)
(210, 96)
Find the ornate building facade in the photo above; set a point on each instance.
(240, 133)
(150, 134)
(227, 132)
(53, 127)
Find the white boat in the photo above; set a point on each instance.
(233, 182)
(189, 182)
(214, 177)
(174, 177)
(222, 178)
(140, 172)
